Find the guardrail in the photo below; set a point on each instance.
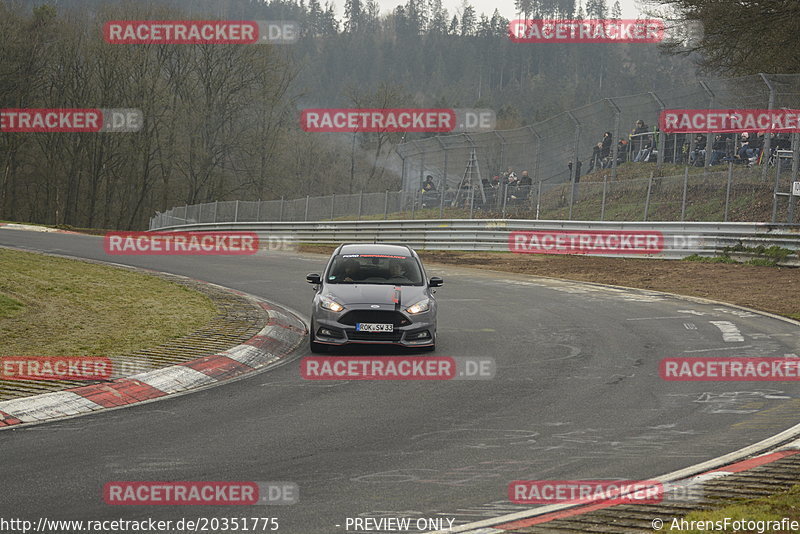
(676, 240)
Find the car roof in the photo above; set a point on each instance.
(374, 248)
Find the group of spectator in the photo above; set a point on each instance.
(515, 188)
(642, 146)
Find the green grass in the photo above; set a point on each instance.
(68, 307)
(9, 307)
(710, 259)
(772, 508)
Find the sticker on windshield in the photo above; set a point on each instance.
(374, 256)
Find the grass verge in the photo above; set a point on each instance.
(772, 508)
(55, 306)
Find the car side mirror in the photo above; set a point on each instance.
(435, 281)
(313, 278)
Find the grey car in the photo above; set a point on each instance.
(373, 294)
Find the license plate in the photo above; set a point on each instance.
(374, 327)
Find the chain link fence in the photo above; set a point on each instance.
(570, 175)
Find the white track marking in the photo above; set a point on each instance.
(730, 332)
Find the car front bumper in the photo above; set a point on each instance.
(332, 328)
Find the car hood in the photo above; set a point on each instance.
(375, 294)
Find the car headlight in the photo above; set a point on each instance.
(329, 304)
(421, 306)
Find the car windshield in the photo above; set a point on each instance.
(382, 269)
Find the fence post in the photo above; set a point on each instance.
(538, 199)
(795, 168)
(766, 149)
(305, 215)
(661, 135)
(442, 182)
(502, 149)
(280, 214)
(471, 196)
(775, 192)
(603, 202)
(538, 153)
(386, 205)
(421, 171)
(413, 202)
(236, 212)
(614, 147)
(685, 186)
(574, 174)
(709, 141)
(360, 203)
(728, 190)
(333, 206)
(402, 167)
(647, 200)
(216, 202)
(505, 197)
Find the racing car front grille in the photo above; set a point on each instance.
(374, 316)
(374, 336)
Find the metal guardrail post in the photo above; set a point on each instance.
(360, 203)
(333, 206)
(216, 202)
(258, 211)
(767, 148)
(413, 203)
(685, 186)
(236, 212)
(386, 205)
(280, 214)
(728, 190)
(305, 215)
(647, 200)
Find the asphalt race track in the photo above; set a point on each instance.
(577, 396)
